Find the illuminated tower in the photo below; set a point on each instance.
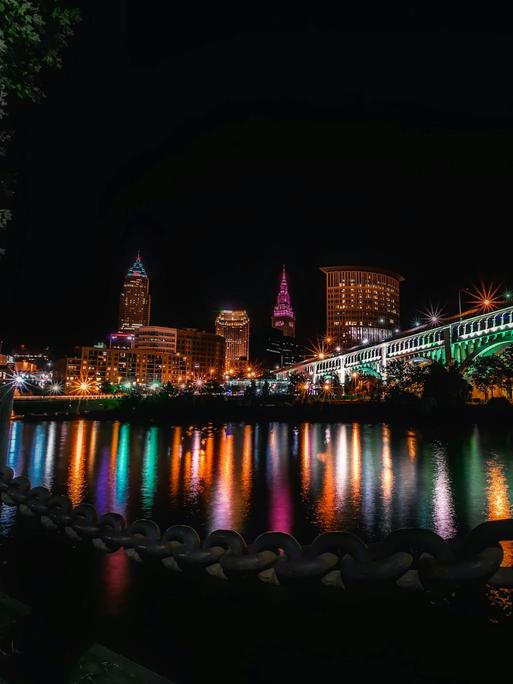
(234, 327)
(283, 315)
(362, 304)
(135, 300)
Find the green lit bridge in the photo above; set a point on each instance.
(454, 341)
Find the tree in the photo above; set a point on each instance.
(33, 35)
(107, 387)
(266, 390)
(404, 379)
(251, 390)
(445, 385)
(507, 367)
(213, 387)
(486, 373)
(297, 383)
(373, 385)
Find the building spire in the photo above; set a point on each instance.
(283, 314)
(137, 268)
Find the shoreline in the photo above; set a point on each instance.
(234, 410)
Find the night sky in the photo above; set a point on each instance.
(223, 144)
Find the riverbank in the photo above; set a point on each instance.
(218, 409)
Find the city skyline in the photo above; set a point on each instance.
(377, 171)
(257, 315)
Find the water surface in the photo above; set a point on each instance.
(301, 479)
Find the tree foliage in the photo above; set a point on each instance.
(404, 378)
(33, 35)
(494, 371)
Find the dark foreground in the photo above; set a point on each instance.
(208, 631)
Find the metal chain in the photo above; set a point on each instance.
(411, 558)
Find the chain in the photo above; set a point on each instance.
(411, 558)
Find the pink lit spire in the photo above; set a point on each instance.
(283, 306)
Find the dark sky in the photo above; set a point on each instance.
(223, 144)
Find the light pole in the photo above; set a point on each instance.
(460, 290)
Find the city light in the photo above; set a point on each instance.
(485, 298)
(83, 386)
(56, 388)
(433, 314)
(319, 350)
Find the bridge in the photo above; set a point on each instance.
(457, 341)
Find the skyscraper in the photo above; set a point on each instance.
(234, 327)
(362, 304)
(283, 315)
(135, 300)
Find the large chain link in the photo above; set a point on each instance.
(411, 558)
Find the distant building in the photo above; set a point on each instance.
(203, 351)
(135, 301)
(122, 340)
(282, 351)
(156, 337)
(42, 358)
(67, 370)
(234, 327)
(138, 367)
(362, 304)
(6, 367)
(283, 318)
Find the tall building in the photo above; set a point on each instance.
(135, 300)
(283, 315)
(282, 351)
(362, 304)
(234, 327)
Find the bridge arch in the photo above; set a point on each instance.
(368, 369)
(493, 344)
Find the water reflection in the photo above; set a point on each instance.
(443, 500)
(76, 470)
(299, 479)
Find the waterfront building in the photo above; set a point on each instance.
(67, 370)
(203, 351)
(121, 340)
(6, 367)
(283, 318)
(156, 337)
(135, 300)
(362, 305)
(233, 325)
(138, 367)
(160, 355)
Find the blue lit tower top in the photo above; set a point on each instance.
(137, 268)
(135, 299)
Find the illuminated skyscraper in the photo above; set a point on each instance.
(283, 315)
(135, 300)
(234, 327)
(362, 304)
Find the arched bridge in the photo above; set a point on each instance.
(454, 341)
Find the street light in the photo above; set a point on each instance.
(460, 290)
